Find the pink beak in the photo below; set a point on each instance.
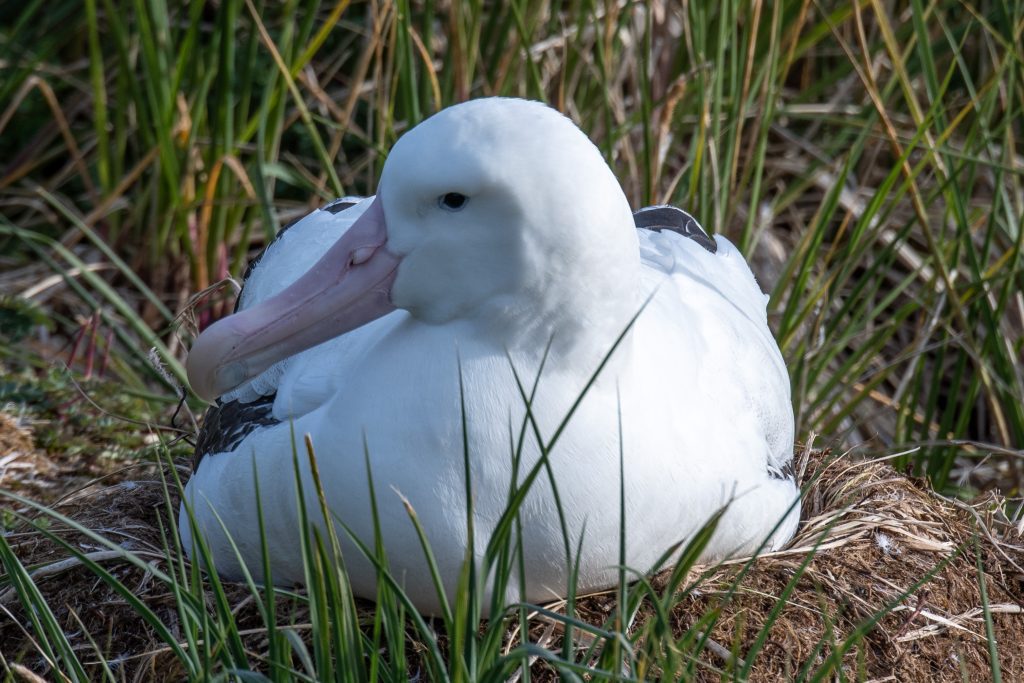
(347, 288)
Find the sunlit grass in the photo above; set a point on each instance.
(868, 163)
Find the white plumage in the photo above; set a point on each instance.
(542, 255)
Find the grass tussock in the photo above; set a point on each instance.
(884, 578)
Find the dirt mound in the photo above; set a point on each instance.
(879, 540)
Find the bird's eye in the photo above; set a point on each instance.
(452, 201)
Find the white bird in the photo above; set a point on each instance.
(499, 239)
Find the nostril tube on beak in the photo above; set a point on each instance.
(361, 255)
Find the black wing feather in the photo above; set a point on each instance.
(226, 424)
(658, 218)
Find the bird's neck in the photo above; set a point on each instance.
(576, 322)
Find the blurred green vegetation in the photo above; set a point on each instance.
(867, 157)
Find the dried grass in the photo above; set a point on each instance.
(879, 533)
(887, 532)
(23, 467)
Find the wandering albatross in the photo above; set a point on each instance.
(499, 258)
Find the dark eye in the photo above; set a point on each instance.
(452, 201)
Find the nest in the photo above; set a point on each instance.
(869, 536)
(877, 535)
